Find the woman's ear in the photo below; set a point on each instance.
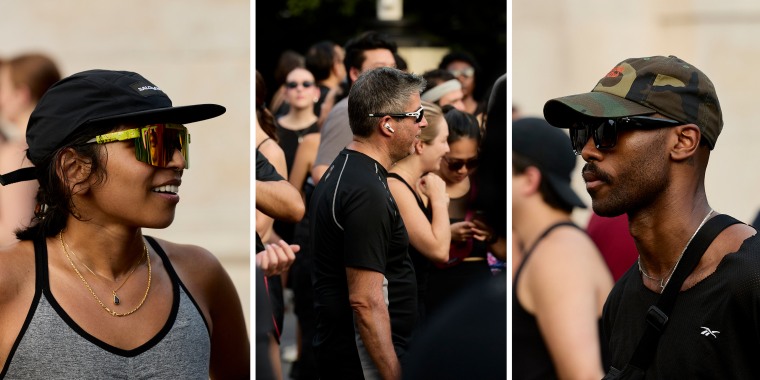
(687, 141)
(74, 171)
(419, 146)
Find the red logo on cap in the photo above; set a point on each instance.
(615, 72)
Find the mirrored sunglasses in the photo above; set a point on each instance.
(605, 132)
(154, 144)
(455, 164)
(417, 115)
(292, 85)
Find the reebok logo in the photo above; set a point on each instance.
(707, 332)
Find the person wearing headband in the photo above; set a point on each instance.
(443, 89)
(93, 296)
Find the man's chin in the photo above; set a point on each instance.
(606, 210)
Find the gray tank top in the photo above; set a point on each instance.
(52, 346)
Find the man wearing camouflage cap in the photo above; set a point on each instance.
(646, 131)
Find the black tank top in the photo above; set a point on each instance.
(421, 263)
(531, 358)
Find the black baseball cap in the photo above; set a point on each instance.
(95, 98)
(549, 149)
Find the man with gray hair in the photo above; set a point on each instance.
(365, 294)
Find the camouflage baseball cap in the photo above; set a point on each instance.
(644, 86)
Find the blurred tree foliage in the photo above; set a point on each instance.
(476, 26)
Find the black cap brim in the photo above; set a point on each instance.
(564, 191)
(179, 115)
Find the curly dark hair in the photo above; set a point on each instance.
(56, 192)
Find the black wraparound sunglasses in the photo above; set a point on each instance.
(605, 132)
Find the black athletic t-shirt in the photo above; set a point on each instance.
(266, 172)
(355, 223)
(713, 331)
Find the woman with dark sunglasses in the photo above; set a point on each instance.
(470, 236)
(466, 69)
(84, 294)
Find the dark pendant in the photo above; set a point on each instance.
(116, 299)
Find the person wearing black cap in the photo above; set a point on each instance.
(560, 287)
(84, 294)
(646, 132)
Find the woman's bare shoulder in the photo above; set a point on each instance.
(16, 269)
(191, 262)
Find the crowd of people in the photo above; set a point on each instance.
(377, 193)
(380, 198)
(399, 221)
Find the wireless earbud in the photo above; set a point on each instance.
(388, 127)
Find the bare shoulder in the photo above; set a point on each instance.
(193, 263)
(400, 192)
(727, 242)
(311, 140)
(567, 244)
(16, 270)
(565, 265)
(271, 150)
(566, 253)
(734, 236)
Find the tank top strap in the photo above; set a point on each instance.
(544, 234)
(41, 281)
(173, 275)
(416, 196)
(164, 258)
(262, 142)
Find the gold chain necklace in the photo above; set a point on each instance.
(87, 285)
(116, 299)
(664, 281)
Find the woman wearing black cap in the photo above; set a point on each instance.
(84, 294)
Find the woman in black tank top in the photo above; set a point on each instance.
(109, 152)
(426, 220)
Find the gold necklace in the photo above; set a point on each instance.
(109, 311)
(116, 299)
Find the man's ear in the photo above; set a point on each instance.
(687, 138)
(353, 73)
(74, 171)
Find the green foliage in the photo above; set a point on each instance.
(299, 8)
